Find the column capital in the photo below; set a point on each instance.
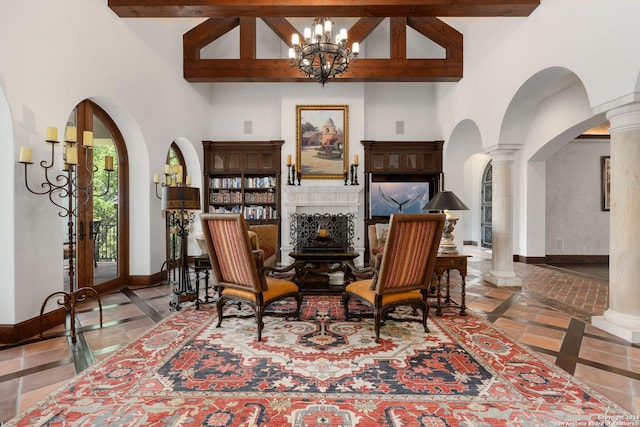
(624, 118)
(503, 152)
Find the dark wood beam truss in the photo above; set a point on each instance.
(251, 69)
(225, 15)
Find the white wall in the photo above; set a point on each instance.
(573, 191)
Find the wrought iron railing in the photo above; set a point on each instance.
(105, 241)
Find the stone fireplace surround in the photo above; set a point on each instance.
(312, 199)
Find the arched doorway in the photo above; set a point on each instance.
(486, 238)
(100, 230)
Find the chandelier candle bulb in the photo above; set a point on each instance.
(25, 155)
(307, 34)
(327, 27)
(355, 48)
(295, 39)
(87, 138)
(52, 134)
(71, 134)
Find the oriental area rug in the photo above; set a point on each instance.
(322, 371)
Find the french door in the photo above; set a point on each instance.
(100, 219)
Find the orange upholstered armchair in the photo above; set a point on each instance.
(405, 269)
(237, 272)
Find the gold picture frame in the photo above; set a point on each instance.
(322, 141)
(605, 167)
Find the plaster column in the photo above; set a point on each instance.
(622, 318)
(502, 219)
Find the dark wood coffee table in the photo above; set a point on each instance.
(313, 266)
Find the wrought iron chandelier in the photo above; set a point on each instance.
(321, 56)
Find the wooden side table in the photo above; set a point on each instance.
(444, 264)
(202, 264)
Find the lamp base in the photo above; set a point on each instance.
(447, 246)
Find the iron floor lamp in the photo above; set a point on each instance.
(446, 201)
(180, 202)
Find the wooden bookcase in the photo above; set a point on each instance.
(399, 161)
(243, 177)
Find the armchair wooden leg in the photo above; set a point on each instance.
(219, 305)
(345, 305)
(377, 314)
(425, 315)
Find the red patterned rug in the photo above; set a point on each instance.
(322, 371)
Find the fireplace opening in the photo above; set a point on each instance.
(321, 232)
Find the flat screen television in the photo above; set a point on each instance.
(387, 198)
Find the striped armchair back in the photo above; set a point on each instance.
(410, 252)
(230, 252)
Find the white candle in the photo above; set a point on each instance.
(188, 180)
(179, 178)
(327, 27)
(72, 155)
(71, 134)
(156, 178)
(167, 169)
(52, 133)
(108, 163)
(87, 138)
(25, 155)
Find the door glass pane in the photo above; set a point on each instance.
(104, 230)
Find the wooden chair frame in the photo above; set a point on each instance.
(405, 271)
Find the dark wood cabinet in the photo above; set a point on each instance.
(403, 157)
(399, 161)
(243, 177)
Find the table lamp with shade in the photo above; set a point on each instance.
(446, 201)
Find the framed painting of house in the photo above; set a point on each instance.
(322, 148)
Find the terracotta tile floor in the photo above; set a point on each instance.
(550, 314)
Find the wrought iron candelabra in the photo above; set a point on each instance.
(68, 192)
(179, 200)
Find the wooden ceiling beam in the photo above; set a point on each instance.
(205, 33)
(314, 8)
(280, 70)
(395, 69)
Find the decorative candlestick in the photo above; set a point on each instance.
(299, 176)
(289, 178)
(351, 169)
(346, 176)
(354, 174)
(70, 195)
(293, 174)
